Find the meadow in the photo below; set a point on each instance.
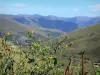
(39, 58)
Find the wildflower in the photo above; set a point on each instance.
(45, 67)
(37, 68)
(50, 57)
(9, 43)
(35, 44)
(59, 69)
(39, 39)
(8, 74)
(20, 64)
(48, 33)
(97, 66)
(49, 65)
(66, 46)
(70, 44)
(14, 74)
(8, 33)
(30, 33)
(45, 57)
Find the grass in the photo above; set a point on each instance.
(87, 39)
(41, 59)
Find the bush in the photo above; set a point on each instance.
(35, 58)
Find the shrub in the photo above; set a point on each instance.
(35, 58)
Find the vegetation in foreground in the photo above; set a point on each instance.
(36, 58)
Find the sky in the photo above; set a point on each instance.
(61, 8)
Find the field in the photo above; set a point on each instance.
(39, 58)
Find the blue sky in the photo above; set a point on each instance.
(61, 8)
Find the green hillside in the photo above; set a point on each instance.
(38, 58)
(7, 24)
(18, 29)
(87, 39)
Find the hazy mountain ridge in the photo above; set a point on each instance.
(43, 21)
(82, 21)
(20, 29)
(17, 29)
(60, 24)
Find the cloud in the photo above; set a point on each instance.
(93, 15)
(18, 5)
(13, 7)
(95, 7)
(75, 9)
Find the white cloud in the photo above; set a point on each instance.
(93, 15)
(95, 7)
(75, 9)
(18, 5)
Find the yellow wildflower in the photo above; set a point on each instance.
(20, 64)
(66, 46)
(14, 74)
(50, 57)
(39, 39)
(37, 68)
(8, 33)
(45, 67)
(59, 69)
(35, 44)
(9, 43)
(49, 65)
(71, 42)
(45, 57)
(31, 32)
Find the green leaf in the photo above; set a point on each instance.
(55, 61)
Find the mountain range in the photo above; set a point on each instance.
(43, 24)
(79, 21)
(87, 38)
